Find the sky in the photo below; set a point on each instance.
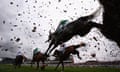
(25, 25)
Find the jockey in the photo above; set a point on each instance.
(62, 48)
(35, 51)
(62, 24)
(19, 53)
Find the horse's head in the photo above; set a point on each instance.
(24, 58)
(50, 36)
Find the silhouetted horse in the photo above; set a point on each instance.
(19, 60)
(111, 20)
(65, 55)
(81, 27)
(37, 58)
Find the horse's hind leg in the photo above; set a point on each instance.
(76, 52)
(15, 65)
(31, 64)
(62, 66)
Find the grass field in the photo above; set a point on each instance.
(10, 68)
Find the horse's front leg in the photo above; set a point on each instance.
(37, 65)
(53, 48)
(32, 63)
(50, 45)
(43, 65)
(57, 65)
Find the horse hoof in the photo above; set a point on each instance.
(80, 58)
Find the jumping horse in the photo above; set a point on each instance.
(80, 26)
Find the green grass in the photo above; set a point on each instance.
(10, 68)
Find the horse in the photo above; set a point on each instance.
(65, 55)
(37, 58)
(19, 60)
(81, 27)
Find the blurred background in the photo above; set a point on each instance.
(25, 25)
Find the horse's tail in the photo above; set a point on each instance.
(79, 45)
(82, 44)
(76, 46)
(91, 16)
(96, 13)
